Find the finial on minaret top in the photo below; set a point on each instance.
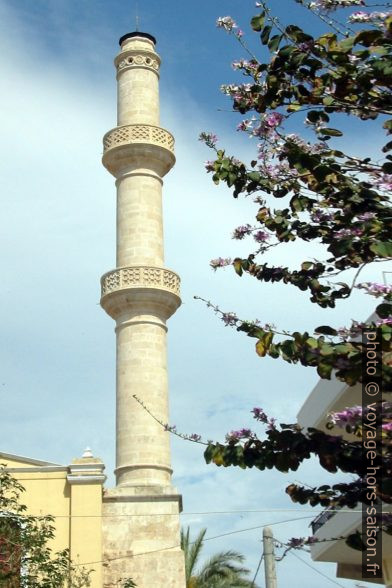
(87, 452)
(137, 16)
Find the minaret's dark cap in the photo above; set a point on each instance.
(137, 34)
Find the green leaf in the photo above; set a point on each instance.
(368, 37)
(265, 34)
(331, 132)
(346, 44)
(326, 330)
(306, 265)
(294, 106)
(273, 43)
(237, 263)
(254, 176)
(324, 370)
(384, 310)
(263, 344)
(355, 541)
(382, 249)
(315, 115)
(387, 147)
(388, 125)
(257, 22)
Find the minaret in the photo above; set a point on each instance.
(141, 515)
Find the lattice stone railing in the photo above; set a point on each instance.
(140, 277)
(138, 134)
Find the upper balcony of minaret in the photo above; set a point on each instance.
(138, 143)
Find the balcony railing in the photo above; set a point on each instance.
(321, 519)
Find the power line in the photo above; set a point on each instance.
(257, 570)
(316, 570)
(199, 513)
(89, 563)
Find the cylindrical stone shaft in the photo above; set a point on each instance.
(139, 153)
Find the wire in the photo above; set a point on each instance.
(88, 563)
(316, 570)
(188, 514)
(257, 570)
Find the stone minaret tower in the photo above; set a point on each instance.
(141, 515)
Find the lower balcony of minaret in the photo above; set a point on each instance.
(140, 290)
(136, 147)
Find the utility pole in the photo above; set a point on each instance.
(269, 558)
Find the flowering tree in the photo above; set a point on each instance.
(329, 197)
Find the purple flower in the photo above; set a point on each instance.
(259, 415)
(346, 233)
(220, 262)
(240, 232)
(209, 165)
(261, 237)
(244, 125)
(374, 289)
(296, 542)
(366, 216)
(208, 138)
(271, 423)
(318, 215)
(230, 319)
(348, 416)
(237, 435)
(383, 181)
(387, 427)
(195, 437)
(274, 119)
(385, 321)
(305, 46)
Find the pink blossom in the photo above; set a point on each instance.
(226, 23)
(383, 181)
(387, 427)
(241, 434)
(366, 216)
(330, 5)
(220, 262)
(345, 233)
(374, 289)
(244, 125)
(319, 215)
(209, 165)
(274, 119)
(346, 416)
(261, 236)
(230, 319)
(385, 321)
(208, 138)
(260, 415)
(240, 232)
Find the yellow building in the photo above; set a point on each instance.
(73, 495)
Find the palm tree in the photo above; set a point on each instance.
(222, 570)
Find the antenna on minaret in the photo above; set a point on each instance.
(137, 16)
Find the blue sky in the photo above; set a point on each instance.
(57, 231)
